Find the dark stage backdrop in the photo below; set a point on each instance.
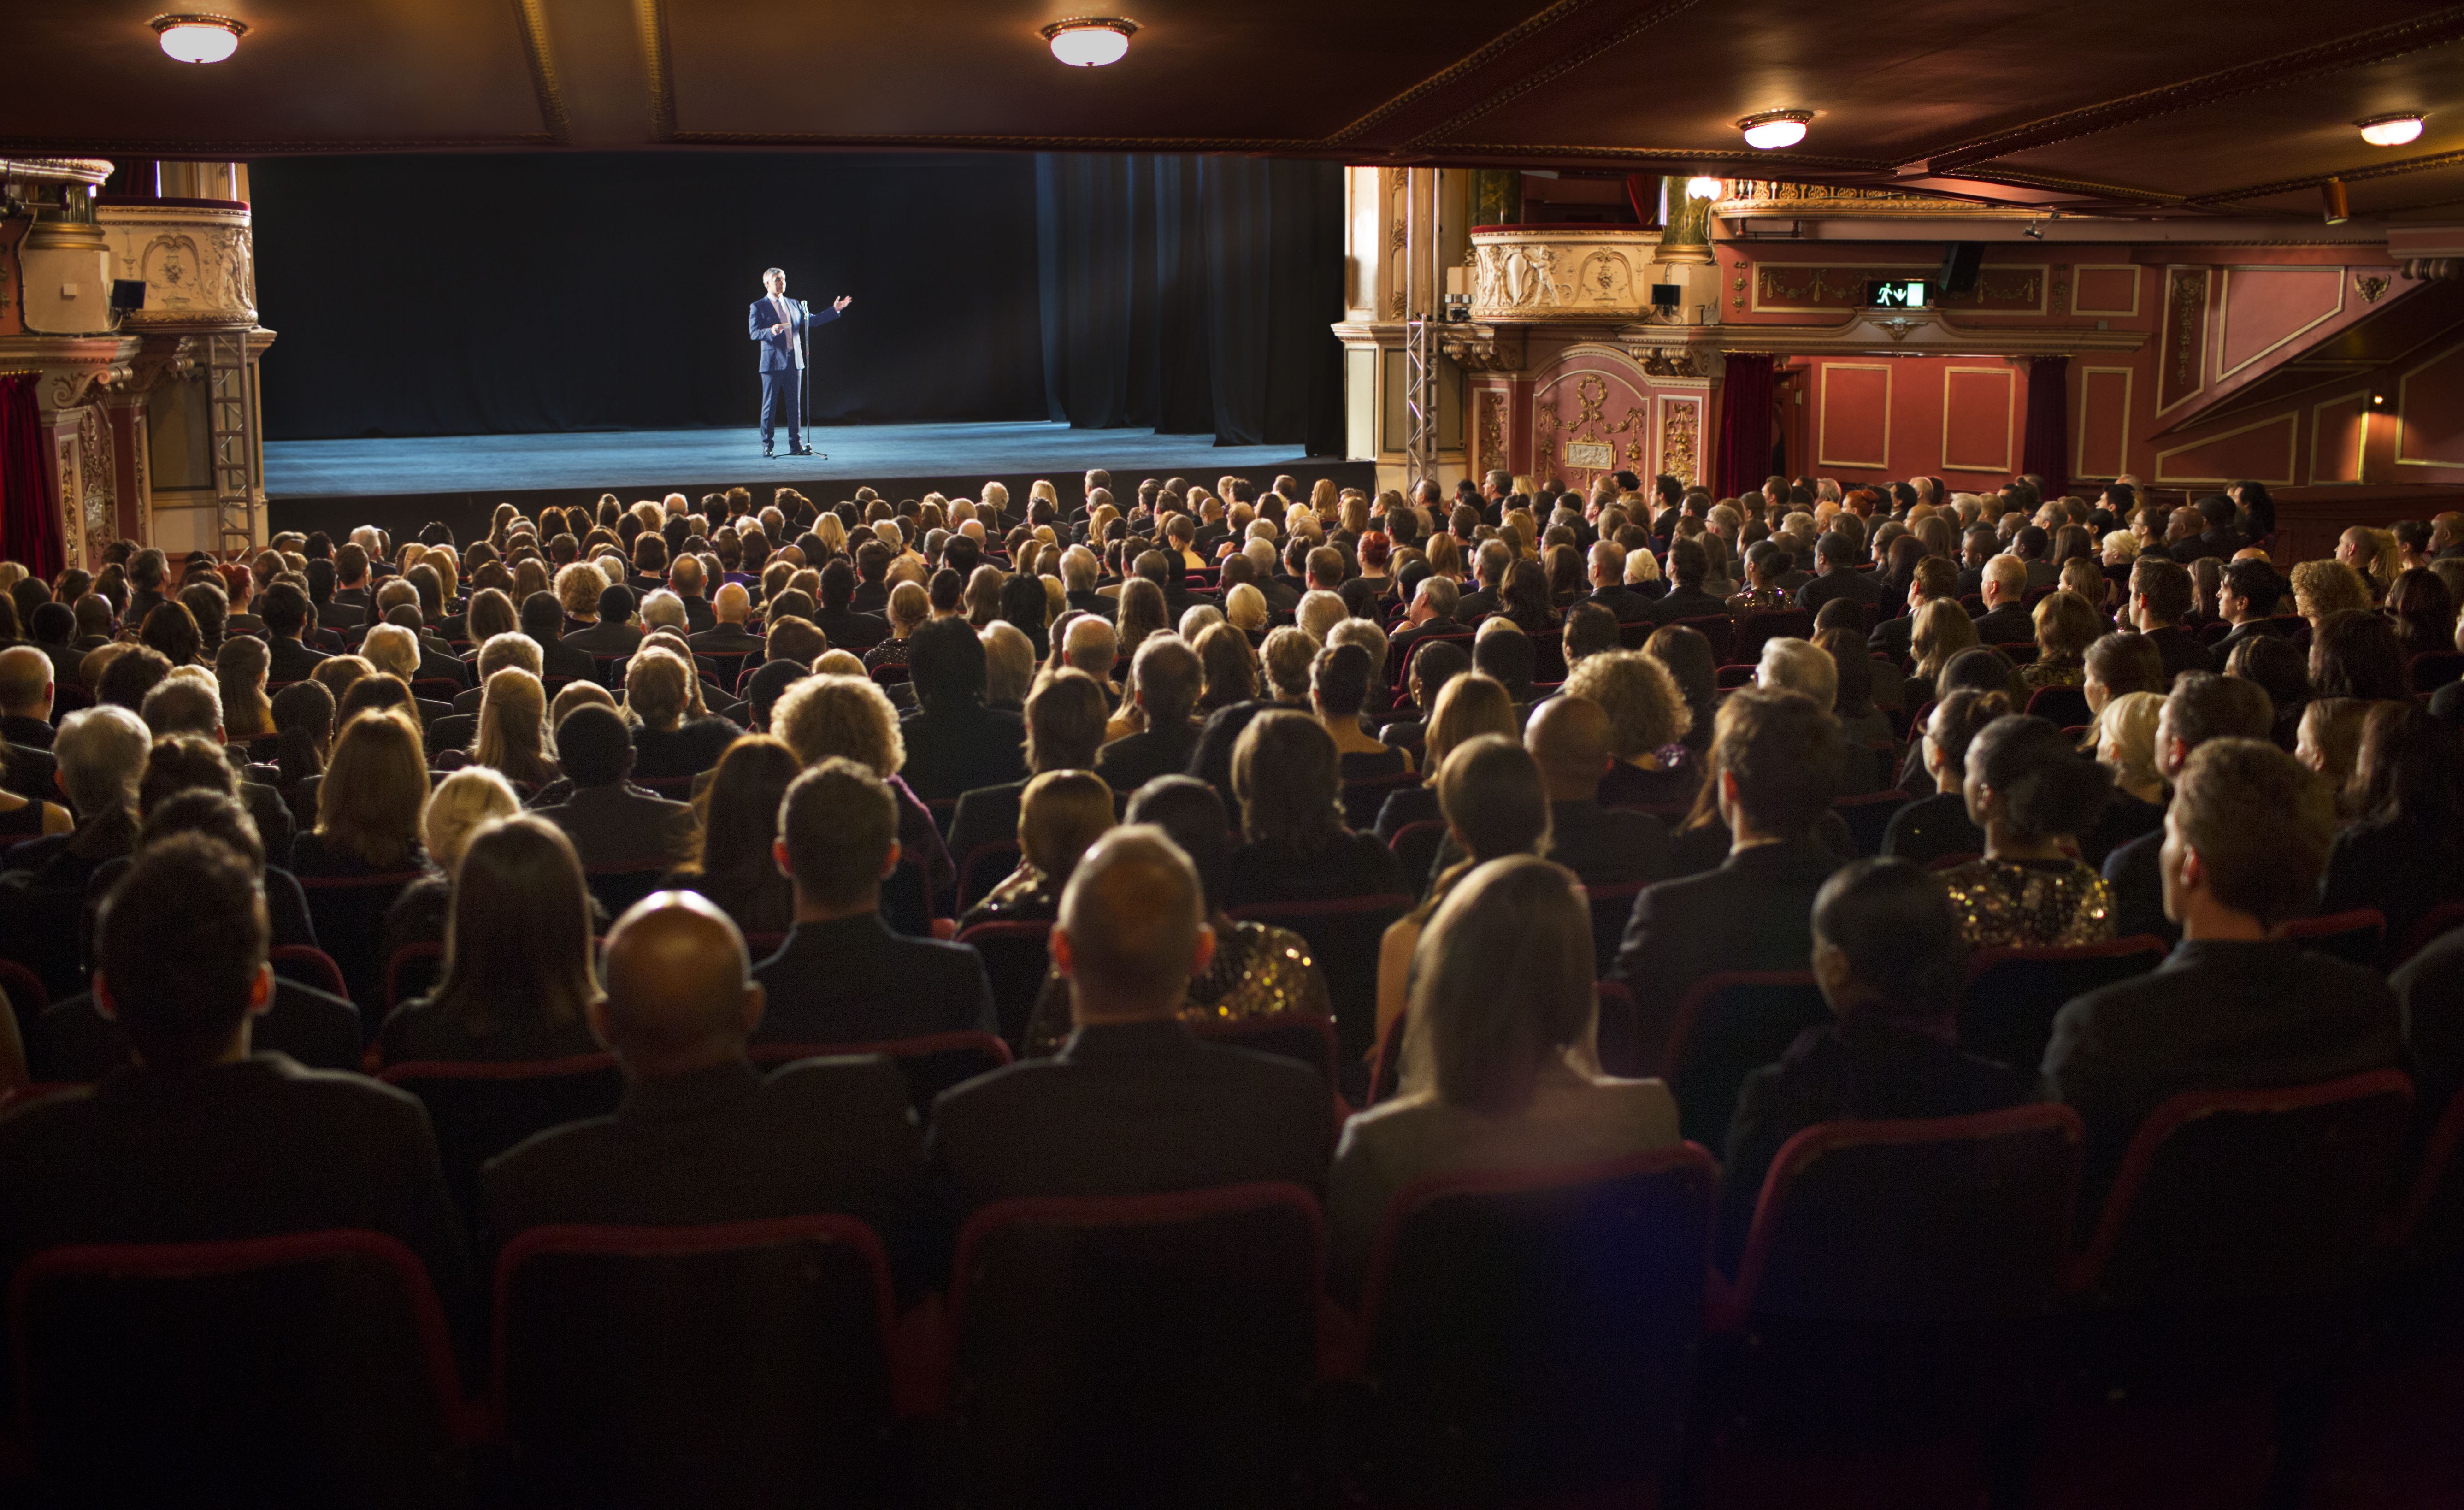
(517, 293)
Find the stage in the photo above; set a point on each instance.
(401, 483)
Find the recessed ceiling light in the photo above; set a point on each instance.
(1775, 128)
(1704, 189)
(2391, 131)
(199, 38)
(1090, 42)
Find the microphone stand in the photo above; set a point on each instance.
(805, 379)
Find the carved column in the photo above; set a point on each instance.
(1376, 231)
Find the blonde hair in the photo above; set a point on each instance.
(1647, 709)
(1059, 819)
(391, 647)
(658, 687)
(2323, 587)
(513, 726)
(841, 715)
(460, 805)
(1940, 629)
(1468, 706)
(374, 788)
(2127, 728)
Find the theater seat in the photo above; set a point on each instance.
(348, 913)
(1345, 935)
(617, 888)
(2012, 993)
(986, 866)
(745, 1363)
(1529, 1337)
(309, 967)
(415, 970)
(1303, 1036)
(28, 999)
(1416, 844)
(306, 1369)
(932, 1062)
(1150, 1349)
(1612, 907)
(1727, 1026)
(1016, 956)
(2355, 937)
(1869, 818)
(480, 1110)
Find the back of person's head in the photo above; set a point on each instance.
(1167, 676)
(216, 815)
(1491, 794)
(1065, 716)
(2358, 653)
(2204, 705)
(183, 763)
(2125, 662)
(2164, 586)
(1469, 705)
(2258, 825)
(2032, 772)
(462, 802)
(186, 704)
(1190, 813)
(518, 939)
(132, 673)
(1982, 669)
(658, 687)
(1647, 710)
(369, 804)
(593, 746)
(1958, 718)
(1133, 926)
(1508, 654)
(1800, 666)
(1569, 735)
(1061, 814)
(1339, 680)
(1288, 779)
(2407, 771)
(1887, 946)
(946, 661)
(1502, 984)
(1778, 756)
(839, 825)
(679, 995)
(181, 950)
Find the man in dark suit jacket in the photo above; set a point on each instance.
(1896, 636)
(615, 634)
(73, 1041)
(1687, 565)
(2006, 619)
(612, 823)
(543, 621)
(1777, 775)
(781, 327)
(2231, 1008)
(1570, 736)
(285, 611)
(1608, 584)
(843, 977)
(1432, 612)
(1135, 1103)
(2160, 597)
(2246, 599)
(701, 1136)
(728, 635)
(1065, 719)
(953, 743)
(837, 616)
(207, 1140)
(2201, 707)
(1165, 680)
(1835, 576)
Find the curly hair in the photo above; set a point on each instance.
(1645, 707)
(822, 716)
(2323, 587)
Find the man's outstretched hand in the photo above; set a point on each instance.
(843, 300)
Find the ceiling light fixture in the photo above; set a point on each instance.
(2391, 131)
(199, 38)
(1090, 42)
(1704, 189)
(1774, 128)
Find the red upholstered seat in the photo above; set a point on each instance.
(932, 1062)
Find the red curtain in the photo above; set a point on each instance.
(2046, 448)
(1743, 458)
(30, 523)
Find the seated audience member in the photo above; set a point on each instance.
(1861, 721)
(1932, 827)
(74, 1042)
(2328, 740)
(462, 803)
(1892, 963)
(1133, 1102)
(512, 733)
(32, 771)
(673, 740)
(517, 969)
(735, 866)
(2161, 597)
(2233, 1007)
(1649, 717)
(2429, 993)
(2003, 589)
(1688, 565)
(843, 977)
(2355, 653)
(2404, 854)
(1774, 770)
(1065, 727)
(2201, 707)
(1425, 676)
(1338, 690)
(199, 1139)
(1937, 631)
(614, 825)
(1258, 969)
(542, 620)
(1571, 739)
(1060, 816)
(2125, 740)
(1286, 660)
(954, 742)
(188, 704)
(822, 716)
(701, 1136)
(1295, 846)
(1495, 805)
(368, 801)
(614, 635)
(2122, 663)
(1801, 666)
(732, 610)
(1163, 688)
(1502, 1020)
(2066, 624)
(2033, 794)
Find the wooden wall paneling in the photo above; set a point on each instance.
(2105, 288)
(1852, 422)
(1979, 407)
(2102, 419)
(2340, 437)
(2182, 351)
(2262, 450)
(2260, 310)
(2429, 411)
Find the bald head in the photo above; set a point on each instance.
(1570, 736)
(1091, 646)
(678, 993)
(1132, 927)
(732, 604)
(25, 683)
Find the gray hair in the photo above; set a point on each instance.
(184, 704)
(102, 753)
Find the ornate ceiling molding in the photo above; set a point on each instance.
(531, 15)
(1550, 72)
(2363, 48)
(2357, 175)
(1497, 47)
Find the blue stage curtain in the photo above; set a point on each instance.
(1193, 296)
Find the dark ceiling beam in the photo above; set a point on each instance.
(1429, 89)
(2434, 28)
(531, 15)
(2350, 175)
(1566, 63)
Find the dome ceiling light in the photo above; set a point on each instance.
(199, 38)
(1774, 128)
(1704, 188)
(1090, 42)
(2391, 131)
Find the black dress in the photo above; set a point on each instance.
(1930, 827)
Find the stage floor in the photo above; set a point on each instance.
(460, 478)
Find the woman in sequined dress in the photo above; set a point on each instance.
(2066, 625)
(1258, 969)
(1765, 565)
(2033, 794)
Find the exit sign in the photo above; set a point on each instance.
(1599, 455)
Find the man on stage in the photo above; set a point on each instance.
(781, 326)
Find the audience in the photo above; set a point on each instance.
(2404, 854)
(954, 742)
(1572, 739)
(2201, 707)
(614, 825)
(368, 803)
(734, 865)
(1059, 817)
(2031, 794)
(1295, 847)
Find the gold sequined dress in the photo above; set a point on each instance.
(2030, 904)
(1258, 971)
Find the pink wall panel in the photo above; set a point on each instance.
(2263, 308)
(1852, 420)
(2429, 401)
(2338, 429)
(1980, 423)
(2105, 290)
(2101, 421)
(2258, 449)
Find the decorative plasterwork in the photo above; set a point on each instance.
(1542, 275)
(1484, 348)
(1767, 197)
(198, 264)
(55, 170)
(1915, 332)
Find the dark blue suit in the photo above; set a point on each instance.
(782, 360)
